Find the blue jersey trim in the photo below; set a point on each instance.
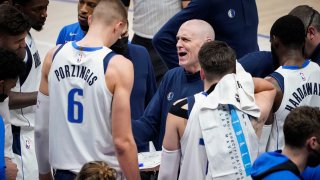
(279, 78)
(245, 156)
(56, 52)
(305, 64)
(23, 78)
(106, 60)
(90, 49)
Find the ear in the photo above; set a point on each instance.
(89, 20)
(203, 77)
(312, 142)
(208, 39)
(311, 31)
(275, 41)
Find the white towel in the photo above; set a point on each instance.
(235, 89)
(221, 137)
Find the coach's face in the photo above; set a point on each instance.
(85, 9)
(189, 42)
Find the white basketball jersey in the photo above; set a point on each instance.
(28, 83)
(301, 88)
(80, 108)
(229, 161)
(193, 153)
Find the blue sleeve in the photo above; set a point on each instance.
(165, 40)
(281, 175)
(311, 173)
(2, 160)
(147, 127)
(62, 36)
(258, 64)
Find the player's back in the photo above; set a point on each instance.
(80, 108)
(301, 87)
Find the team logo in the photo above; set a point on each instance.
(303, 77)
(170, 96)
(72, 34)
(80, 56)
(231, 13)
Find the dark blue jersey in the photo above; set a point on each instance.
(258, 64)
(176, 84)
(235, 22)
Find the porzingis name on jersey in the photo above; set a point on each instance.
(303, 91)
(76, 71)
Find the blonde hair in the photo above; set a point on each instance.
(97, 170)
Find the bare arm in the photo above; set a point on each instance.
(265, 93)
(19, 100)
(171, 153)
(119, 78)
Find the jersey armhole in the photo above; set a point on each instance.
(56, 52)
(178, 110)
(106, 60)
(279, 78)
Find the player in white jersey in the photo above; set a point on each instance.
(297, 79)
(11, 67)
(210, 134)
(85, 89)
(12, 37)
(23, 98)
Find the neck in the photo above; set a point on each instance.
(291, 58)
(297, 156)
(97, 36)
(208, 84)
(193, 69)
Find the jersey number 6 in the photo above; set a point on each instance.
(75, 116)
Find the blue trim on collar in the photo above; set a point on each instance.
(305, 64)
(85, 48)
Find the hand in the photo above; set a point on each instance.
(47, 176)
(11, 169)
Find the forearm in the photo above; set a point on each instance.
(19, 100)
(127, 156)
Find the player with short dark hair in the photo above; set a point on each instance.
(296, 78)
(202, 131)
(11, 67)
(302, 147)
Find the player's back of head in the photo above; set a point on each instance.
(300, 124)
(96, 170)
(109, 11)
(217, 59)
(289, 30)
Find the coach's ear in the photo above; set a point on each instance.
(203, 77)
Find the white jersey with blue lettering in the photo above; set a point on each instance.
(300, 87)
(22, 119)
(228, 160)
(80, 108)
